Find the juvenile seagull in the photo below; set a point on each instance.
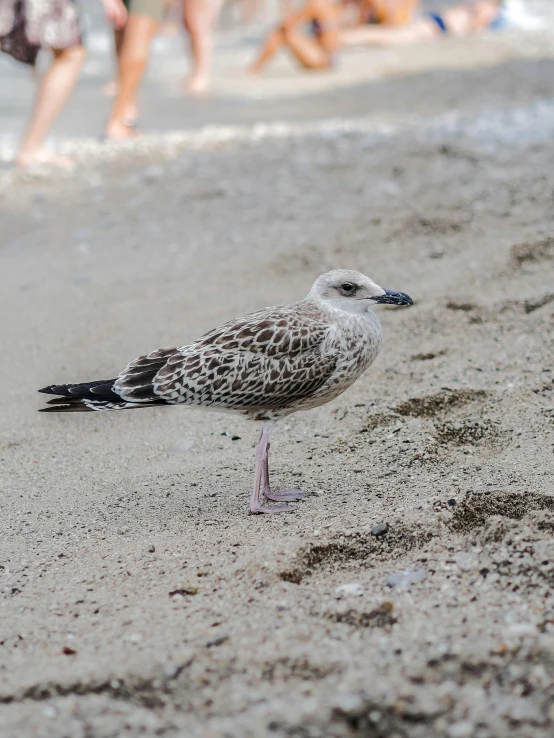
(265, 366)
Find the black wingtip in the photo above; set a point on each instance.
(51, 390)
(81, 408)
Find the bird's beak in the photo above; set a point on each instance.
(393, 298)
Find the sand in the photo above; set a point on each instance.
(137, 596)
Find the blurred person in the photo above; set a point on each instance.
(167, 28)
(387, 12)
(27, 26)
(199, 18)
(325, 21)
(460, 20)
(144, 19)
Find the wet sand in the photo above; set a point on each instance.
(137, 596)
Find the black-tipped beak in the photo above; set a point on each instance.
(393, 298)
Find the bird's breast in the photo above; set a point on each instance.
(357, 338)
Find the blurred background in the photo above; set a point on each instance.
(282, 91)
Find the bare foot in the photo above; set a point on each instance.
(131, 115)
(117, 131)
(43, 157)
(197, 84)
(110, 89)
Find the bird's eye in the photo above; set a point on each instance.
(347, 287)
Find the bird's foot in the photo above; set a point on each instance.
(255, 509)
(286, 495)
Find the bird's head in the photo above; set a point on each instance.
(347, 290)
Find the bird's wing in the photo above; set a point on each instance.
(136, 382)
(269, 359)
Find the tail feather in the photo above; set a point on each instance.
(90, 396)
(65, 405)
(101, 389)
(133, 388)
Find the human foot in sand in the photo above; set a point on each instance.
(28, 158)
(139, 32)
(197, 84)
(120, 131)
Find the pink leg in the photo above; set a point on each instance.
(261, 483)
(284, 495)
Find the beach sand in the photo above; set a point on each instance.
(137, 596)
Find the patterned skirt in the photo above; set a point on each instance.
(28, 25)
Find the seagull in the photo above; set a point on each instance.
(263, 366)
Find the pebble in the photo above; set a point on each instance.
(124, 529)
(217, 641)
(151, 549)
(461, 729)
(403, 579)
(132, 637)
(186, 589)
(520, 630)
(352, 588)
(379, 530)
(182, 445)
(349, 704)
(464, 560)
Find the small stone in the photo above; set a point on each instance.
(352, 588)
(452, 502)
(403, 579)
(349, 704)
(464, 560)
(182, 445)
(379, 530)
(461, 729)
(187, 589)
(151, 549)
(132, 637)
(235, 438)
(171, 669)
(414, 423)
(124, 529)
(520, 630)
(217, 641)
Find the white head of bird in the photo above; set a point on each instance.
(353, 292)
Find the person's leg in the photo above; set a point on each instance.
(394, 12)
(110, 88)
(272, 44)
(199, 17)
(423, 30)
(313, 52)
(139, 31)
(53, 92)
(307, 50)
